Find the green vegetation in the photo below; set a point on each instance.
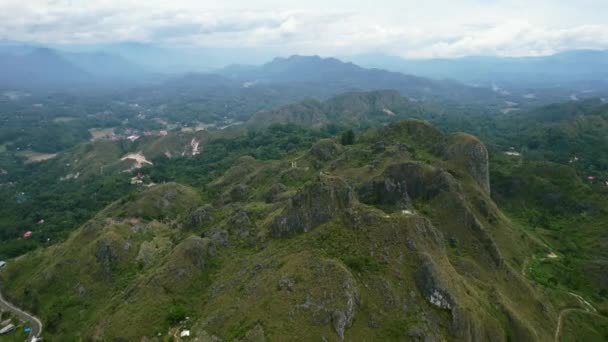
(348, 137)
(354, 255)
(387, 225)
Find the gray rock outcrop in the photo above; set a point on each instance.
(472, 154)
(314, 205)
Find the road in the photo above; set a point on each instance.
(563, 314)
(587, 309)
(35, 323)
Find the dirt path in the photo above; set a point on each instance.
(564, 313)
(524, 265)
(36, 324)
(586, 308)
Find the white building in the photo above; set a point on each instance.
(2, 264)
(7, 329)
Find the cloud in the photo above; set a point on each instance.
(436, 29)
(518, 38)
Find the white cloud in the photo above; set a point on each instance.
(407, 28)
(518, 38)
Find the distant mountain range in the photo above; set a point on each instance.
(496, 84)
(40, 67)
(30, 67)
(105, 65)
(330, 76)
(557, 70)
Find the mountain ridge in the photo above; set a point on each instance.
(255, 246)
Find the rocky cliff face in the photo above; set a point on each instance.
(471, 153)
(401, 184)
(324, 199)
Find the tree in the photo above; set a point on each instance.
(348, 137)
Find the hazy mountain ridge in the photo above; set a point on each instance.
(40, 67)
(107, 66)
(337, 76)
(556, 70)
(30, 67)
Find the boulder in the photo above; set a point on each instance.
(201, 215)
(240, 223)
(220, 236)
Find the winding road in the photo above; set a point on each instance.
(586, 308)
(560, 320)
(35, 323)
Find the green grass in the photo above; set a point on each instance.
(583, 327)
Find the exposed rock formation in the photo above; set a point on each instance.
(316, 204)
(472, 154)
(201, 215)
(191, 255)
(402, 183)
(431, 287)
(240, 223)
(107, 255)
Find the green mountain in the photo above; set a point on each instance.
(330, 76)
(394, 237)
(352, 109)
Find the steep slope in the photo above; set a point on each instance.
(392, 238)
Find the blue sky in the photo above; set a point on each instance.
(415, 29)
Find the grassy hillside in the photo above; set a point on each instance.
(392, 238)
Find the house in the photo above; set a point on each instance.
(2, 264)
(7, 329)
(27, 234)
(132, 138)
(163, 133)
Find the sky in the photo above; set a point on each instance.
(410, 29)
